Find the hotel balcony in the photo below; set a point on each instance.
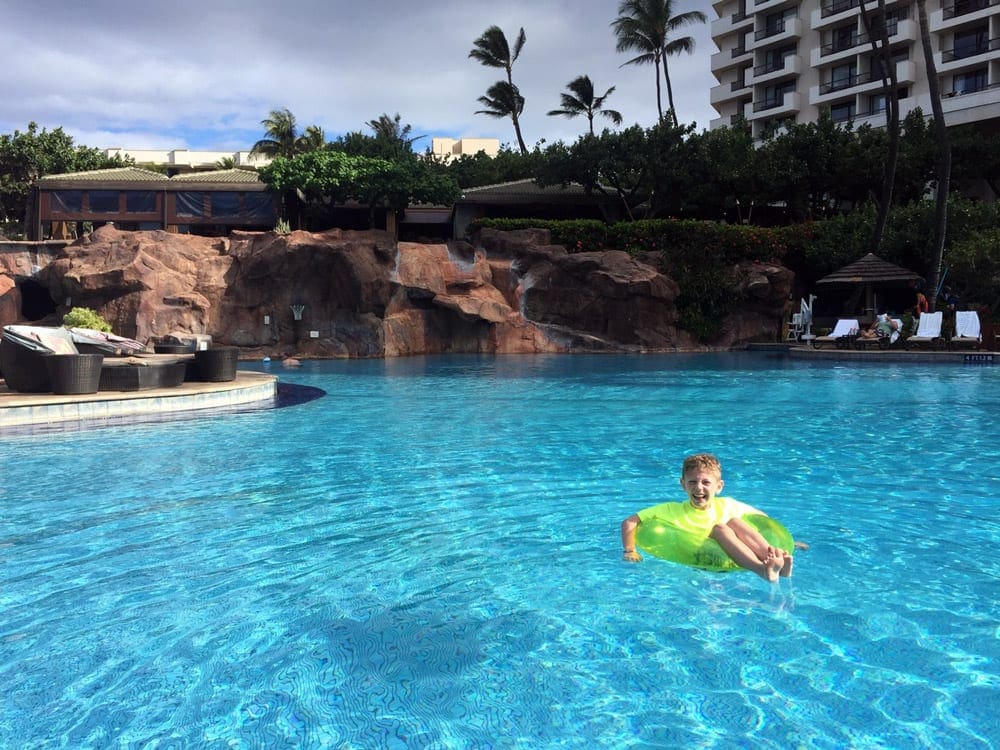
(763, 6)
(790, 65)
(833, 12)
(904, 30)
(786, 31)
(860, 83)
(877, 119)
(966, 56)
(961, 12)
(725, 92)
(782, 106)
(730, 24)
(735, 57)
(972, 105)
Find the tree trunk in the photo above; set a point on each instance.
(670, 91)
(890, 88)
(659, 96)
(943, 162)
(517, 130)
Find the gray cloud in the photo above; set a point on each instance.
(204, 74)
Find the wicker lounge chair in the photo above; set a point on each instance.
(23, 351)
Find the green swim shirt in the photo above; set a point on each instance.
(686, 517)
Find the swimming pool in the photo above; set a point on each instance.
(429, 557)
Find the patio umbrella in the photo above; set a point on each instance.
(869, 272)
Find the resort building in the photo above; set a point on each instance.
(182, 160)
(206, 203)
(787, 61)
(454, 148)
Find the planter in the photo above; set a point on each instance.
(216, 364)
(74, 373)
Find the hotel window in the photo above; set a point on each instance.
(103, 201)
(66, 201)
(842, 112)
(966, 83)
(225, 204)
(877, 102)
(969, 43)
(843, 76)
(259, 205)
(774, 59)
(190, 203)
(843, 38)
(140, 202)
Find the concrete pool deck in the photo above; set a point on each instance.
(18, 410)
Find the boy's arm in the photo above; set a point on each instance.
(629, 525)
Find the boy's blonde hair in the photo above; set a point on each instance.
(702, 461)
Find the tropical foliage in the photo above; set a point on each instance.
(503, 98)
(581, 101)
(647, 27)
(26, 156)
(282, 136)
(334, 177)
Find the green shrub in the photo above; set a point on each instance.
(84, 317)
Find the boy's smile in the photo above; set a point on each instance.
(701, 486)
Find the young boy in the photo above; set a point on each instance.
(719, 518)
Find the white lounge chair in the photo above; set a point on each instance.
(841, 335)
(967, 329)
(928, 331)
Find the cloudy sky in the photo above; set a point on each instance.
(202, 75)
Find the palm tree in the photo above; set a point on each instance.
(583, 102)
(313, 139)
(877, 31)
(282, 137)
(504, 100)
(392, 130)
(645, 26)
(942, 166)
(493, 51)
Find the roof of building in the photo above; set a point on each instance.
(115, 174)
(137, 178)
(220, 175)
(528, 190)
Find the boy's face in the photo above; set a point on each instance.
(701, 486)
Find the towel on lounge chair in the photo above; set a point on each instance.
(108, 342)
(928, 330)
(967, 328)
(41, 339)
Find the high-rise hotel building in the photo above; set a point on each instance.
(784, 61)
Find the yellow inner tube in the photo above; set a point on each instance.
(668, 542)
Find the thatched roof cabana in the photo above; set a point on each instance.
(869, 272)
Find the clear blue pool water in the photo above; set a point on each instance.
(429, 557)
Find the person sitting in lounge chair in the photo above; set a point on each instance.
(883, 327)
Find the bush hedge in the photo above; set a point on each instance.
(700, 254)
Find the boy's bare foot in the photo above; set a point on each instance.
(772, 567)
(786, 567)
